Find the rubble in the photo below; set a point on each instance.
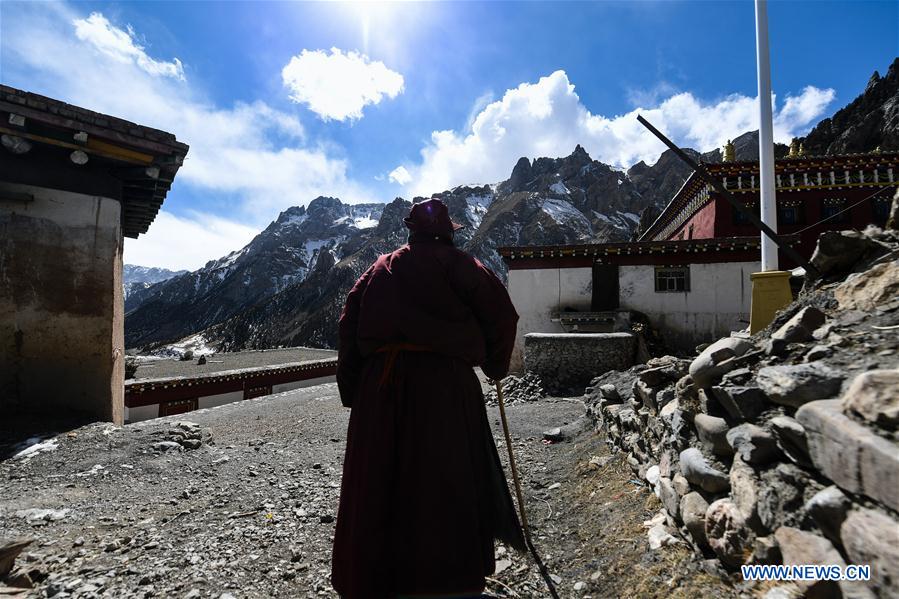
(518, 389)
(788, 439)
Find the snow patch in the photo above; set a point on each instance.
(559, 188)
(34, 446)
(564, 213)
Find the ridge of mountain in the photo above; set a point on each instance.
(278, 290)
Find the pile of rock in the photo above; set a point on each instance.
(183, 435)
(783, 447)
(518, 388)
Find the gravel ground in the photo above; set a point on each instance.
(250, 512)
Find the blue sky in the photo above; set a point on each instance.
(284, 101)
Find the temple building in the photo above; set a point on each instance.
(813, 194)
(73, 184)
(688, 274)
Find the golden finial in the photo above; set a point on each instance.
(802, 149)
(729, 152)
(877, 150)
(794, 148)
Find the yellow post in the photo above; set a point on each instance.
(770, 293)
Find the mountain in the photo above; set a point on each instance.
(138, 278)
(868, 122)
(288, 285)
(283, 254)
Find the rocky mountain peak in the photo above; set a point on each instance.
(291, 214)
(392, 217)
(521, 174)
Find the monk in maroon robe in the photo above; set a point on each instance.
(423, 494)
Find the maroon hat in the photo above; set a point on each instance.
(431, 217)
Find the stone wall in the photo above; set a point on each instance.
(61, 307)
(784, 447)
(566, 362)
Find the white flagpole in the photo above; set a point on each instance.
(766, 136)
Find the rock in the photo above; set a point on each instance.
(736, 378)
(744, 491)
(9, 550)
(669, 497)
(874, 395)
(740, 403)
(580, 586)
(790, 437)
(872, 537)
(681, 484)
(893, 220)
(698, 471)
(799, 547)
(851, 455)
(712, 432)
(799, 328)
(659, 537)
(782, 493)
(652, 476)
(553, 434)
(610, 393)
(765, 550)
(167, 446)
(818, 352)
(727, 534)
(753, 444)
(799, 384)
(867, 290)
(838, 251)
(692, 509)
(828, 508)
(706, 368)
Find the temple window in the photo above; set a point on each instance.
(881, 209)
(672, 279)
(831, 207)
(789, 212)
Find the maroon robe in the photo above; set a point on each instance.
(423, 493)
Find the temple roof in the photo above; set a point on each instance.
(134, 163)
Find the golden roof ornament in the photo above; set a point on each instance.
(802, 149)
(794, 148)
(729, 152)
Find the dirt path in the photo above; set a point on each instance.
(250, 513)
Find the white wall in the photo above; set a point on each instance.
(717, 303)
(300, 384)
(539, 294)
(212, 401)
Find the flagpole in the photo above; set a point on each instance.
(766, 137)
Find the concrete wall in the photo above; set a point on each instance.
(718, 301)
(61, 305)
(539, 294)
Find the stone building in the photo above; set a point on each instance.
(73, 184)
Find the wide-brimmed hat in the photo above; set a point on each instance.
(432, 218)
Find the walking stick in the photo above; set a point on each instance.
(524, 519)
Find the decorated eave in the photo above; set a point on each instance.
(719, 249)
(792, 174)
(139, 392)
(49, 143)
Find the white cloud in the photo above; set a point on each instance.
(254, 159)
(186, 242)
(339, 85)
(120, 45)
(400, 175)
(547, 118)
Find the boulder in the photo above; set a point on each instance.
(798, 384)
(817, 352)
(697, 470)
(681, 484)
(707, 367)
(838, 251)
(610, 393)
(874, 396)
(799, 547)
(790, 437)
(828, 508)
(727, 534)
(782, 495)
(850, 454)
(869, 289)
(740, 403)
(872, 537)
(712, 432)
(692, 509)
(744, 491)
(669, 497)
(765, 550)
(799, 328)
(753, 444)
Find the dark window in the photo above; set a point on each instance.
(788, 215)
(834, 208)
(672, 279)
(881, 209)
(740, 218)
